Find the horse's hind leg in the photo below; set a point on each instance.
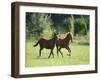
(69, 51)
(40, 52)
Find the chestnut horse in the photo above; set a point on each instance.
(48, 44)
(64, 43)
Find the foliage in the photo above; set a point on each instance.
(44, 24)
(81, 26)
(37, 24)
(72, 24)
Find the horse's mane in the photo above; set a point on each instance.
(70, 33)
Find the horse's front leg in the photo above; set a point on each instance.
(51, 53)
(60, 51)
(69, 51)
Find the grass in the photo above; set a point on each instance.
(79, 56)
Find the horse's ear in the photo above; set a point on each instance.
(69, 33)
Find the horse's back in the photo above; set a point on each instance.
(62, 43)
(48, 44)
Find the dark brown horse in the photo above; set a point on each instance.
(48, 44)
(64, 43)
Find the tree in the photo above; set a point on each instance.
(44, 24)
(36, 23)
(71, 24)
(80, 26)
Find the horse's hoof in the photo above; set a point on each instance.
(68, 54)
(48, 57)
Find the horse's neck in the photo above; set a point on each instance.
(67, 39)
(53, 39)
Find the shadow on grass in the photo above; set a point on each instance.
(43, 58)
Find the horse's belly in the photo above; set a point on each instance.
(63, 46)
(49, 47)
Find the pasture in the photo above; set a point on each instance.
(79, 56)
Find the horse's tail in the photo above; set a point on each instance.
(36, 44)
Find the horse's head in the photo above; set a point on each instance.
(69, 36)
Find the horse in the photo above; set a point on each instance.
(48, 44)
(64, 43)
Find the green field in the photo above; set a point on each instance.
(79, 56)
